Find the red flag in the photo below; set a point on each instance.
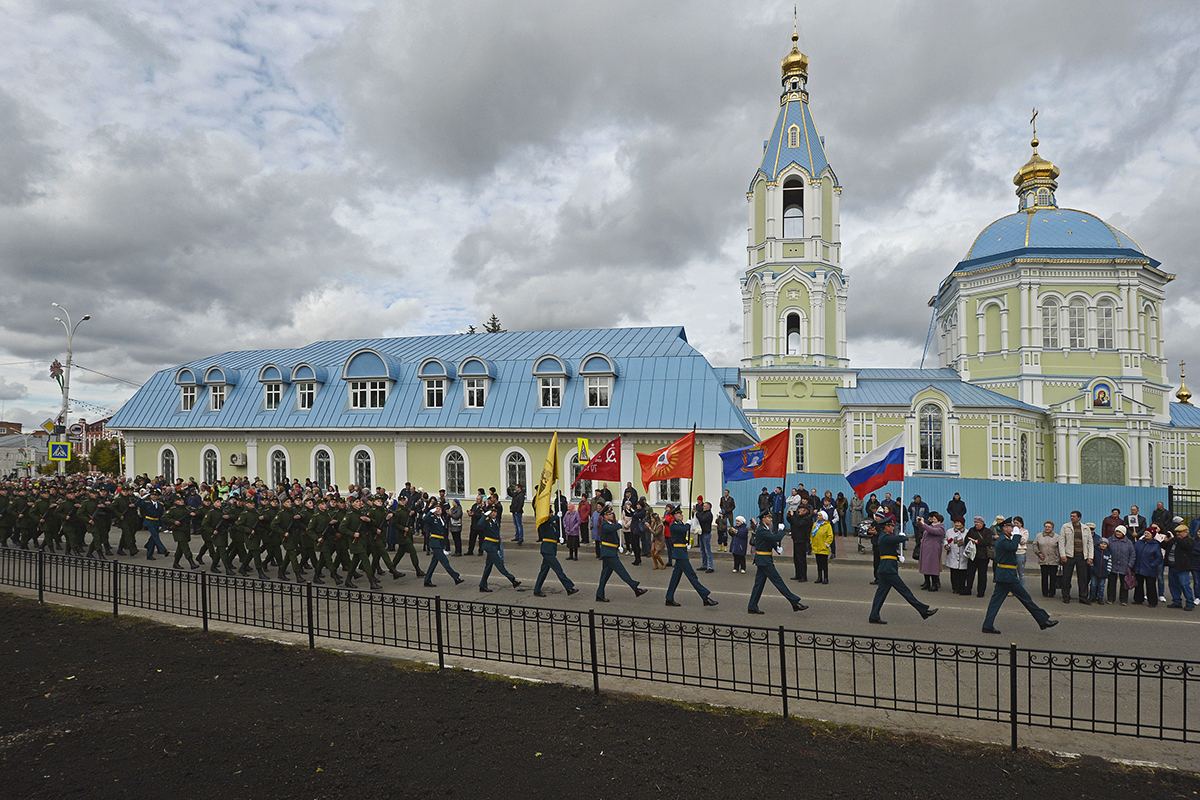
(604, 466)
(673, 461)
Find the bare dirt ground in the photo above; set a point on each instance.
(95, 708)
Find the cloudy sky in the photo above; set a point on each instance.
(207, 176)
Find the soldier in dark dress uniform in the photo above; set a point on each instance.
(437, 530)
(766, 538)
(889, 542)
(679, 531)
(610, 543)
(491, 548)
(1006, 581)
(548, 539)
(357, 528)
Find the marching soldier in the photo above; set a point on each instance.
(548, 537)
(289, 525)
(99, 525)
(125, 510)
(889, 542)
(679, 540)
(491, 547)
(437, 530)
(402, 523)
(610, 542)
(377, 544)
(247, 541)
(766, 538)
(357, 528)
(178, 520)
(322, 530)
(1005, 580)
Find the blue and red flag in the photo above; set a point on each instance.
(767, 459)
(881, 466)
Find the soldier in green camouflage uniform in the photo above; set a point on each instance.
(356, 529)
(178, 521)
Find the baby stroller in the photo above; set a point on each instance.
(864, 536)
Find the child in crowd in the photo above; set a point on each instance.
(1102, 565)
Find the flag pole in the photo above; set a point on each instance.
(692, 480)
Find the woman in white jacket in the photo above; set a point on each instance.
(956, 557)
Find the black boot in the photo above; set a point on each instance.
(176, 564)
(317, 579)
(348, 584)
(420, 573)
(194, 565)
(282, 575)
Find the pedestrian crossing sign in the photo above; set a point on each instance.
(60, 451)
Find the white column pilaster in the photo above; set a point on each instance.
(400, 450)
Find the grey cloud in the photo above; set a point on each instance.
(12, 391)
(25, 157)
(124, 31)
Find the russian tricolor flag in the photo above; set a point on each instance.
(881, 466)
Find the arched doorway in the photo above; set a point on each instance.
(1102, 461)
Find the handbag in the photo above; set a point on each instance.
(969, 550)
(1130, 579)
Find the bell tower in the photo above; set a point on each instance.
(794, 292)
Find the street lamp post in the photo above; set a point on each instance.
(66, 388)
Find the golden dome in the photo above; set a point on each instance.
(795, 62)
(1036, 168)
(1183, 394)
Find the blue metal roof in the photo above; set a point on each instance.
(1184, 415)
(942, 374)
(662, 383)
(901, 392)
(809, 156)
(1049, 227)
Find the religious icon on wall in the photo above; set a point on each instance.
(1101, 396)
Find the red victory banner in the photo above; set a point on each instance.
(673, 461)
(605, 465)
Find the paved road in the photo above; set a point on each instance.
(841, 607)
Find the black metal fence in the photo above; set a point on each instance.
(1118, 695)
(1184, 502)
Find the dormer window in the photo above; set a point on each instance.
(185, 379)
(598, 372)
(475, 390)
(216, 397)
(272, 394)
(551, 374)
(550, 392)
(368, 394)
(219, 380)
(435, 392)
(308, 380)
(306, 395)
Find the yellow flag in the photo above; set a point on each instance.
(545, 489)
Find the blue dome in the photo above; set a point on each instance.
(1049, 227)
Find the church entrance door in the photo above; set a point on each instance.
(1102, 461)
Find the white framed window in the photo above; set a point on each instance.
(669, 492)
(273, 393)
(166, 466)
(210, 462)
(187, 397)
(456, 474)
(306, 395)
(516, 471)
(799, 451)
(435, 392)
(476, 392)
(1077, 325)
(550, 394)
(279, 468)
(1004, 442)
(363, 470)
(598, 390)
(1105, 326)
(368, 394)
(1050, 325)
(323, 468)
(216, 397)
(863, 432)
(929, 420)
(584, 487)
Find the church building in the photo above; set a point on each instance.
(1051, 350)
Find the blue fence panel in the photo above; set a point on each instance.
(1035, 502)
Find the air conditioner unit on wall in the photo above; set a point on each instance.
(237, 459)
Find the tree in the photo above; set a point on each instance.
(471, 329)
(493, 325)
(106, 456)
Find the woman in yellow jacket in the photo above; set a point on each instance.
(822, 538)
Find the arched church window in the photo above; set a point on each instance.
(1030, 201)
(1105, 325)
(794, 136)
(1077, 324)
(1024, 456)
(795, 345)
(929, 420)
(1050, 324)
(1043, 197)
(793, 208)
